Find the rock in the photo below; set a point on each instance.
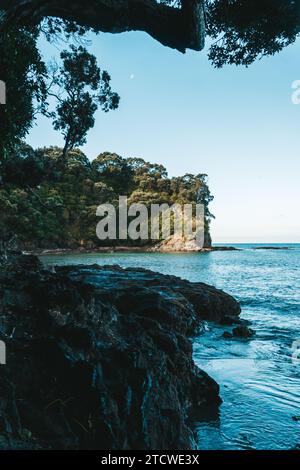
(271, 248)
(243, 331)
(225, 248)
(176, 244)
(230, 320)
(99, 357)
(227, 335)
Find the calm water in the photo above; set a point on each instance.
(260, 385)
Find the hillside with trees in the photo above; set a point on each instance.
(49, 196)
(55, 206)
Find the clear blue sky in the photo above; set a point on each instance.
(237, 125)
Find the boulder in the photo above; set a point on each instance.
(243, 331)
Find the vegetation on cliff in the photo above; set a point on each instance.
(55, 205)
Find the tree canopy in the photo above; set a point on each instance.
(244, 29)
(77, 86)
(240, 32)
(80, 87)
(23, 71)
(56, 205)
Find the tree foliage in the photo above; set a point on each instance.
(241, 30)
(23, 71)
(79, 87)
(77, 83)
(246, 30)
(57, 207)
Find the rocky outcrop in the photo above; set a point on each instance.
(179, 244)
(99, 357)
(176, 244)
(240, 331)
(243, 331)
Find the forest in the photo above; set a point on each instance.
(55, 206)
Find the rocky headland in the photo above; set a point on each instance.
(101, 357)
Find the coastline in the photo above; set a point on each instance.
(149, 249)
(121, 249)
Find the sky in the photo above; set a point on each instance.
(236, 124)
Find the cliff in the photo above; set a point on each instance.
(100, 357)
(175, 244)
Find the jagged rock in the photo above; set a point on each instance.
(99, 357)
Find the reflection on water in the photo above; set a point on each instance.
(260, 386)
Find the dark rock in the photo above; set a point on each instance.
(99, 357)
(227, 335)
(243, 331)
(271, 248)
(230, 320)
(224, 248)
(243, 321)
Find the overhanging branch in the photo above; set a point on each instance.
(179, 28)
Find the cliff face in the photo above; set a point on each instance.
(99, 357)
(175, 244)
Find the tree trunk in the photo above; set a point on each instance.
(65, 149)
(179, 28)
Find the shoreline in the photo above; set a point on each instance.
(121, 249)
(138, 249)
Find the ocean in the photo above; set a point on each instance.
(259, 378)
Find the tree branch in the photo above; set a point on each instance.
(179, 28)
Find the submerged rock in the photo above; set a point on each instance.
(271, 247)
(99, 357)
(243, 331)
(227, 335)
